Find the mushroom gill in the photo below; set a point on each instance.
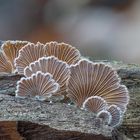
(116, 115)
(5, 65)
(63, 51)
(95, 104)
(11, 50)
(39, 86)
(105, 116)
(57, 68)
(29, 53)
(96, 79)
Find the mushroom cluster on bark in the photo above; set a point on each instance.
(58, 69)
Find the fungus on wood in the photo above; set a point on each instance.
(88, 85)
(37, 112)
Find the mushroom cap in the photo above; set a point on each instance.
(29, 53)
(39, 85)
(63, 51)
(96, 79)
(57, 68)
(116, 115)
(105, 116)
(95, 104)
(5, 65)
(11, 49)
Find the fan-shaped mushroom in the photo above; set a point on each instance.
(116, 115)
(5, 65)
(29, 53)
(11, 49)
(95, 104)
(96, 79)
(63, 51)
(39, 85)
(57, 68)
(105, 116)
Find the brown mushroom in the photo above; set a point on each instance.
(39, 86)
(116, 115)
(5, 65)
(29, 53)
(96, 79)
(95, 104)
(57, 68)
(63, 51)
(11, 50)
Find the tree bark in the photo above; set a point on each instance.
(51, 121)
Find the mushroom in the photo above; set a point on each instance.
(32, 52)
(63, 51)
(95, 104)
(57, 68)
(5, 65)
(11, 50)
(29, 53)
(96, 79)
(39, 86)
(105, 116)
(116, 115)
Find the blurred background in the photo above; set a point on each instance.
(101, 29)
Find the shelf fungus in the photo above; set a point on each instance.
(5, 65)
(28, 54)
(105, 116)
(95, 104)
(57, 68)
(63, 51)
(39, 86)
(96, 79)
(9, 51)
(112, 116)
(116, 115)
(96, 87)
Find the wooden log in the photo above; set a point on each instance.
(8, 131)
(67, 120)
(34, 131)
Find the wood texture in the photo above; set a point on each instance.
(67, 120)
(8, 131)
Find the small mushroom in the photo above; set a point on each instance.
(105, 116)
(5, 65)
(39, 86)
(57, 68)
(96, 79)
(11, 50)
(63, 51)
(95, 104)
(29, 53)
(116, 115)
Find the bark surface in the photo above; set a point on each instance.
(29, 119)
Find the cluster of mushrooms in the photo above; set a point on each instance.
(58, 69)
